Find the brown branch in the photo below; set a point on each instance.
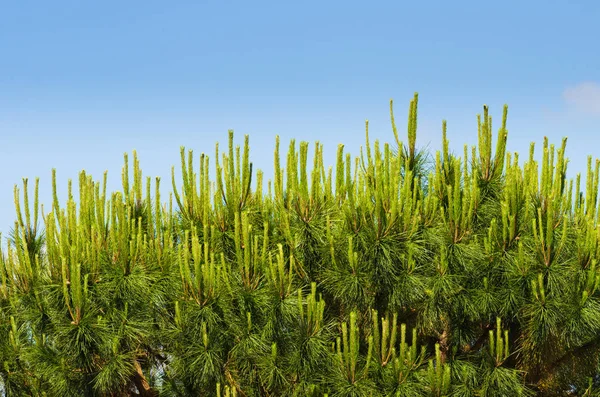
(481, 340)
(141, 383)
(572, 354)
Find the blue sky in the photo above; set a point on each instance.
(82, 82)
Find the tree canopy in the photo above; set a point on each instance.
(397, 272)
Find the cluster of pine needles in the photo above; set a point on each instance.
(393, 273)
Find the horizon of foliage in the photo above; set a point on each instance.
(394, 273)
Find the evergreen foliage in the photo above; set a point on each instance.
(394, 273)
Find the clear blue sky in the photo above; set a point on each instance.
(82, 82)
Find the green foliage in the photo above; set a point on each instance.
(393, 273)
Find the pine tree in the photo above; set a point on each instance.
(397, 272)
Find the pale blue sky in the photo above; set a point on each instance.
(82, 82)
